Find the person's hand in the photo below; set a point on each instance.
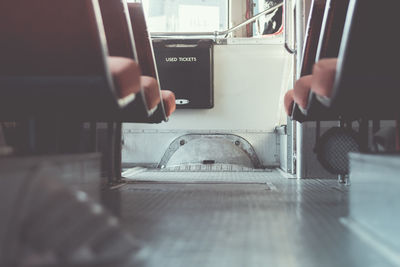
(301, 90)
(324, 72)
(298, 94)
(151, 91)
(320, 82)
(168, 99)
(289, 101)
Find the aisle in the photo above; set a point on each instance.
(272, 222)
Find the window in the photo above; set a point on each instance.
(272, 22)
(186, 15)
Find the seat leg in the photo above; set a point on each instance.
(118, 151)
(364, 136)
(110, 152)
(398, 135)
(93, 137)
(376, 126)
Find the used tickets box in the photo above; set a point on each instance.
(185, 66)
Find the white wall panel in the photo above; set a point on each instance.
(248, 80)
(247, 84)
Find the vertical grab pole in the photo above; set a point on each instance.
(289, 35)
(300, 24)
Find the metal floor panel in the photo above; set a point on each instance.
(284, 222)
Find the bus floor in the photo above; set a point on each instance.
(241, 219)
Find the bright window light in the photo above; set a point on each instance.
(200, 18)
(186, 15)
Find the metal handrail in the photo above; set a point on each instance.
(286, 45)
(290, 50)
(216, 34)
(250, 20)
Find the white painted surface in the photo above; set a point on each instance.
(247, 84)
(248, 80)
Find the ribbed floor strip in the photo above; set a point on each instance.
(157, 175)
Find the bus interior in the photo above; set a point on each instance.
(212, 133)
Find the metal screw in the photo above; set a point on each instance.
(182, 142)
(237, 142)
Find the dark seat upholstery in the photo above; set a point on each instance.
(309, 52)
(55, 69)
(146, 55)
(366, 83)
(312, 36)
(142, 40)
(326, 45)
(54, 58)
(123, 39)
(54, 38)
(117, 28)
(120, 44)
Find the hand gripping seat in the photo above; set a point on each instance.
(146, 53)
(55, 67)
(310, 46)
(129, 38)
(120, 42)
(366, 83)
(327, 46)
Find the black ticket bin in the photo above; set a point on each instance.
(185, 66)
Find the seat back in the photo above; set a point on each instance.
(312, 36)
(142, 40)
(311, 40)
(117, 26)
(53, 60)
(328, 46)
(127, 36)
(145, 51)
(50, 37)
(332, 29)
(120, 42)
(366, 83)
